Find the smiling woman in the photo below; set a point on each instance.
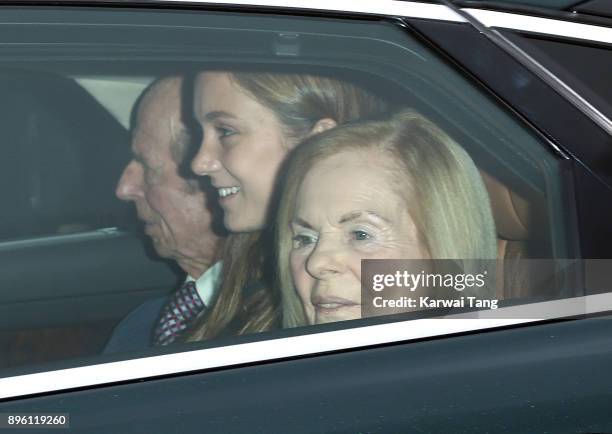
(250, 122)
(243, 147)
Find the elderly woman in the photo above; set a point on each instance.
(392, 189)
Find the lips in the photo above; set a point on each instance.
(330, 304)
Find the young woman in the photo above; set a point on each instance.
(390, 189)
(250, 123)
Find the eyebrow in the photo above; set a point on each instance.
(302, 222)
(210, 116)
(140, 160)
(344, 219)
(136, 155)
(358, 214)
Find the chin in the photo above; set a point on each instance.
(346, 315)
(242, 226)
(162, 250)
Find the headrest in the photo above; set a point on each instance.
(513, 213)
(65, 153)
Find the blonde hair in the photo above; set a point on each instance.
(453, 216)
(299, 101)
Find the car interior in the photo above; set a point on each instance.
(59, 175)
(74, 260)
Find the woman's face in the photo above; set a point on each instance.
(347, 210)
(242, 149)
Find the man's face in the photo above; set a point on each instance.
(174, 210)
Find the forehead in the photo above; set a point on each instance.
(216, 91)
(350, 181)
(214, 85)
(158, 120)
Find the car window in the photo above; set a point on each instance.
(437, 154)
(595, 7)
(56, 130)
(580, 65)
(116, 94)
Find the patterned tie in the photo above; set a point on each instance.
(178, 314)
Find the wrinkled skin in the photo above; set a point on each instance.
(174, 210)
(347, 210)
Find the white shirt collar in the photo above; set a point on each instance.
(207, 284)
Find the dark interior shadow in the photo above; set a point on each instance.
(195, 134)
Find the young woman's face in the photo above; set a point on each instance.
(347, 210)
(242, 149)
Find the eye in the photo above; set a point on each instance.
(150, 174)
(301, 241)
(224, 131)
(359, 235)
(142, 166)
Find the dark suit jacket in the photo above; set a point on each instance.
(135, 331)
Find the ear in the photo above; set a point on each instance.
(323, 125)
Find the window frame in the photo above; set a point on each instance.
(266, 350)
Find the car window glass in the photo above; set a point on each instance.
(76, 127)
(582, 66)
(116, 94)
(56, 130)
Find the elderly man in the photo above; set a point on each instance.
(176, 217)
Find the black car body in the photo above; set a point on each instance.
(525, 84)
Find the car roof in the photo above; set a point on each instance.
(552, 4)
(549, 4)
(597, 8)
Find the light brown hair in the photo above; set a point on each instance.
(298, 101)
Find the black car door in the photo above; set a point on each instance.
(537, 370)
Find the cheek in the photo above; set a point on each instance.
(242, 166)
(254, 166)
(302, 280)
(354, 265)
(158, 197)
(353, 284)
(171, 205)
(230, 159)
(304, 284)
(408, 251)
(153, 198)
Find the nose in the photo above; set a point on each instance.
(130, 184)
(206, 161)
(326, 260)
